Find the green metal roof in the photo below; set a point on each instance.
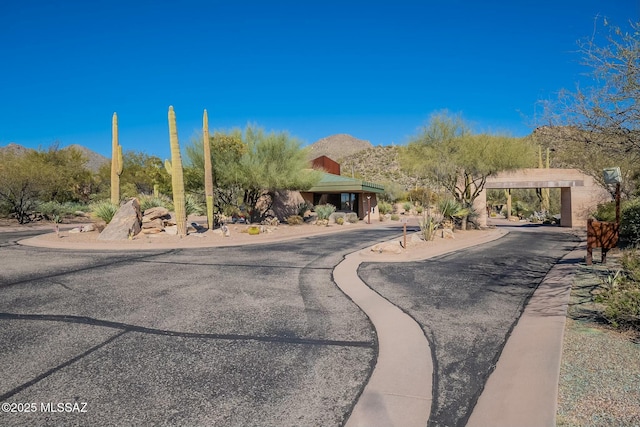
(341, 184)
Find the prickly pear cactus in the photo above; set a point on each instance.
(208, 174)
(177, 181)
(116, 161)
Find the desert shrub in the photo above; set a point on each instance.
(295, 220)
(630, 261)
(193, 206)
(621, 299)
(395, 217)
(630, 221)
(407, 207)
(53, 208)
(340, 220)
(419, 209)
(148, 201)
(325, 211)
(384, 207)
(303, 207)
(253, 230)
(605, 212)
(104, 210)
(352, 218)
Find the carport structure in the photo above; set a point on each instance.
(579, 193)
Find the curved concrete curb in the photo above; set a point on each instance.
(399, 390)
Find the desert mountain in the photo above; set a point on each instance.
(14, 148)
(338, 146)
(94, 160)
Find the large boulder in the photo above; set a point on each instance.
(125, 223)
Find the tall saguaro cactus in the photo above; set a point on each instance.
(116, 161)
(177, 180)
(208, 173)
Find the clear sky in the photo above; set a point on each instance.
(373, 69)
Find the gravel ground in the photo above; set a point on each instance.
(600, 372)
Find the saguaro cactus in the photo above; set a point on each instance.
(116, 161)
(208, 174)
(177, 180)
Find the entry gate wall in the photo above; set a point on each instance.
(580, 194)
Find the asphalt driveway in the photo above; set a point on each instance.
(232, 336)
(467, 303)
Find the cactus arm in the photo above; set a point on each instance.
(208, 176)
(177, 180)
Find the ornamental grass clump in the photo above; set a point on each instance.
(148, 201)
(104, 210)
(325, 211)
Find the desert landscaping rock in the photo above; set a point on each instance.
(155, 213)
(125, 223)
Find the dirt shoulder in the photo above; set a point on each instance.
(600, 373)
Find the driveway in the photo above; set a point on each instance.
(467, 303)
(220, 336)
(254, 335)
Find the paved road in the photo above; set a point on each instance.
(222, 336)
(467, 304)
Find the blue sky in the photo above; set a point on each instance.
(373, 69)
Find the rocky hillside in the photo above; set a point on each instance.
(359, 159)
(94, 160)
(338, 146)
(378, 164)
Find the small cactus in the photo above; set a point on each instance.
(208, 174)
(177, 180)
(116, 161)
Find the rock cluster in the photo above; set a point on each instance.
(156, 220)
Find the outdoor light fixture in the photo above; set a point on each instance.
(612, 176)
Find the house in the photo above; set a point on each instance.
(346, 194)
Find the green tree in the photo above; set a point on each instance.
(226, 150)
(253, 164)
(598, 124)
(273, 161)
(449, 155)
(141, 174)
(41, 176)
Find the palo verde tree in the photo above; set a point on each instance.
(255, 165)
(447, 153)
(598, 124)
(272, 162)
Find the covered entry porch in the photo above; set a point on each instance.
(346, 194)
(579, 193)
